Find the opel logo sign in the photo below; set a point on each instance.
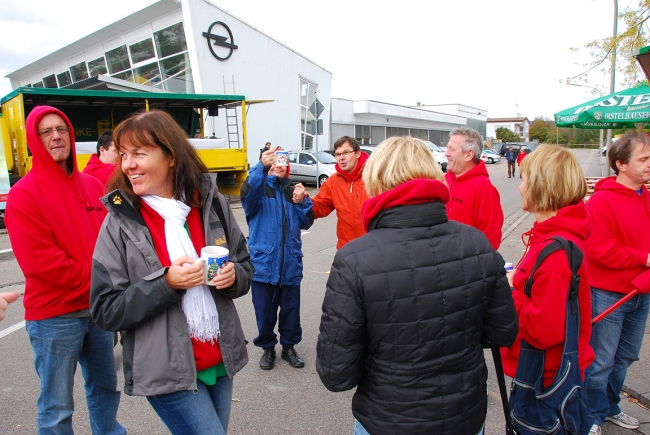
(598, 116)
(220, 41)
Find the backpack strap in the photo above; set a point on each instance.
(574, 256)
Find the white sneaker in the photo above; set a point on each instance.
(624, 420)
(595, 430)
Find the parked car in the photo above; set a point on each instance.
(517, 146)
(368, 149)
(490, 156)
(303, 167)
(438, 154)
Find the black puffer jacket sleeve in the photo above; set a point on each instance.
(500, 324)
(340, 357)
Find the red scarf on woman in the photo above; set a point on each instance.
(412, 192)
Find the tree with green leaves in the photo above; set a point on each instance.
(634, 36)
(538, 130)
(507, 135)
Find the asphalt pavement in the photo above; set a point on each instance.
(283, 400)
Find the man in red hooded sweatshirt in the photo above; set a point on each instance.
(618, 256)
(53, 219)
(103, 164)
(344, 191)
(473, 199)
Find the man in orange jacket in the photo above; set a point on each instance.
(344, 191)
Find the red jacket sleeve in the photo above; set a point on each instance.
(490, 215)
(542, 316)
(323, 204)
(31, 239)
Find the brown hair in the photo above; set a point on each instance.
(621, 150)
(554, 179)
(342, 140)
(158, 128)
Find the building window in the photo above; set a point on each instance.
(362, 134)
(64, 79)
(117, 60)
(419, 134)
(396, 131)
(170, 40)
(79, 72)
(176, 74)
(97, 67)
(141, 51)
(126, 75)
(308, 92)
(38, 85)
(147, 74)
(49, 81)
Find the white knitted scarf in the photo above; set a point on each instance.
(197, 303)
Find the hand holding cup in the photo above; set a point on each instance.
(184, 273)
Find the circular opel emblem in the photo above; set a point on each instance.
(215, 41)
(598, 116)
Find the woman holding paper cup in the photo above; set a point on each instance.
(407, 303)
(276, 210)
(184, 341)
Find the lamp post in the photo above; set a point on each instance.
(600, 144)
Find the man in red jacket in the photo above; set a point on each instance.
(474, 200)
(53, 218)
(103, 164)
(618, 254)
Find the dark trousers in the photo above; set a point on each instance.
(267, 298)
(511, 165)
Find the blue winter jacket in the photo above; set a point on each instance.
(511, 156)
(274, 224)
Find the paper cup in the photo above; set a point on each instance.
(509, 267)
(214, 259)
(281, 158)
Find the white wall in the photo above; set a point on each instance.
(263, 69)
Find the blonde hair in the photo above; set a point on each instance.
(396, 161)
(555, 179)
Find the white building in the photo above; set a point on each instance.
(476, 118)
(193, 46)
(370, 122)
(519, 125)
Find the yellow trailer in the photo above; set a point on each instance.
(93, 111)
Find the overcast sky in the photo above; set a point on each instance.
(493, 55)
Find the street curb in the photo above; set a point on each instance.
(637, 391)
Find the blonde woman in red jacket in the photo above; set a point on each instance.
(553, 193)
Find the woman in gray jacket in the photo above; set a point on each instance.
(184, 341)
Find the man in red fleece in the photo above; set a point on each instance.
(474, 200)
(344, 191)
(103, 164)
(53, 219)
(618, 254)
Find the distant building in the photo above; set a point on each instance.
(519, 125)
(476, 118)
(370, 122)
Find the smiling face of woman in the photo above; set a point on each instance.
(148, 169)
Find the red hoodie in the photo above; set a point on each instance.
(620, 240)
(542, 317)
(53, 220)
(100, 170)
(346, 194)
(476, 202)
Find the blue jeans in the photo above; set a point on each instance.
(360, 430)
(616, 340)
(205, 411)
(58, 344)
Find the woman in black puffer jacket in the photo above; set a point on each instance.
(408, 304)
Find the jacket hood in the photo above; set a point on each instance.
(610, 183)
(357, 171)
(477, 171)
(416, 191)
(572, 219)
(42, 161)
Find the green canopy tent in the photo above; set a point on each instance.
(628, 108)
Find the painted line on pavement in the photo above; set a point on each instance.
(12, 328)
(4, 251)
(514, 225)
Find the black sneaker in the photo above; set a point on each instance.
(267, 362)
(293, 358)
